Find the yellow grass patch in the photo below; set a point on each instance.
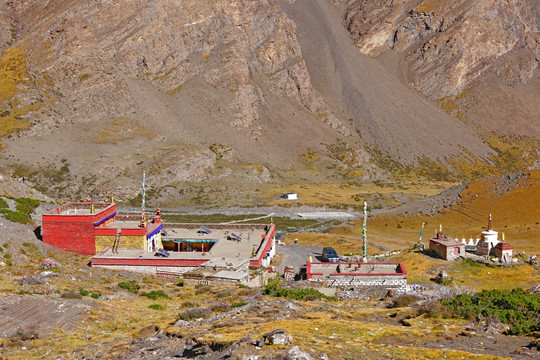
(516, 213)
(430, 5)
(122, 129)
(175, 90)
(338, 193)
(13, 73)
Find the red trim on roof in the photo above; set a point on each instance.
(118, 261)
(503, 246)
(267, 245)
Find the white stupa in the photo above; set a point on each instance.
(488, 241)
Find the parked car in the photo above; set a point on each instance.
(329, 255)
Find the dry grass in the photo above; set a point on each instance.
(343, 331)
(516, 213)
(430, 5)
(421, 269)
(351, 194)
(122, 129)
(13, 73)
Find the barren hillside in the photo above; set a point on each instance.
(479, 59)
(93, 93)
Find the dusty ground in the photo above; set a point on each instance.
(39, 316)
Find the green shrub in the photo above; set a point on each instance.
(71, 295)
(7, 256)
(83, 292)
(238, 304)
(193, 313)
(180, 283)
(6, 245)
(517, 308)
(131, 286)
(24, 207)
(95, 295)
(154, 295)
(274, 288)
(155, 307)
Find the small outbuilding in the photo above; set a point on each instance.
(503, 251)
(446, 248)
(290, 196)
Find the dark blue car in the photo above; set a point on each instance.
(329, 255)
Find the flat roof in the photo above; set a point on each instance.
(223, 247)
(79, 208)
(447, 242)
(252, 237)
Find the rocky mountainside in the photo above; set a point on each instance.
(482, 54)
(95, 92)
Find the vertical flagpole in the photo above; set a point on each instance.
(421, 231)
(364, 241)
(143, 193)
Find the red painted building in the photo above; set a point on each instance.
(71, 226)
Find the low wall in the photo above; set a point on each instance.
(165, 271)
(377, 275)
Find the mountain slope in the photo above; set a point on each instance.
(94, 93)
(385, 112)
(479, 59)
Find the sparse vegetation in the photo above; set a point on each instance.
(238, 304)
(202, 289)
(70, 294)
(220, 307)
(23, 209)
(403, 301)
(154, 295)
(275, 288)
(517, 308)
(131, 286)
(193, 313)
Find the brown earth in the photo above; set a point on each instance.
(479, 59)
(38, 316)
(211, 93)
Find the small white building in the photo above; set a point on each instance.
(489, 240)
(503, 251)
(290, 196)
